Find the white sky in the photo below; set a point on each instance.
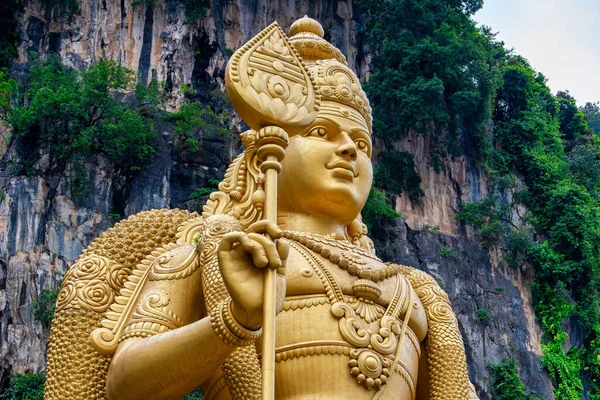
(560, 38)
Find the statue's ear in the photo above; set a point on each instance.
(268, 83)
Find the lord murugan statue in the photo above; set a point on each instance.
(168, 301)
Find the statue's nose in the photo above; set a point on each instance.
(347, 148)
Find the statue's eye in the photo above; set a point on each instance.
(319, 132)
(362, 145)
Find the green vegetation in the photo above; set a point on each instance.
(377, 208)
(71, 116)
(506, 384)
(483, 315)
(9, 34)
(395, 171)
(592, 112)
(25, 387)
(44, 306)
(445, 252)
(195, 395)
(546, 140)
(204, 191)
(62, 8)
(436, 73)
(76, 115)
(193, 121)
(195, 9)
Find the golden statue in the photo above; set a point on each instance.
(168, 300)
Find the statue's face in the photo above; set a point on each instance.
(327, 169)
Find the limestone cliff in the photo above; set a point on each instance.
(43, 228)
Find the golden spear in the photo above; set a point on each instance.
(272, 91)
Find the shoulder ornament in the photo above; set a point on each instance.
(172, 261)
(151, 316)
(446, 360)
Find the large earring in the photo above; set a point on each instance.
(355, 231)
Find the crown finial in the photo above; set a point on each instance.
(307, 24)
(306, 34)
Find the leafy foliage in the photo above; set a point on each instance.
(204, 191)
(25, 387)
(44, 306)
(9, 34)
(592, 112)
(483, 315)
(445, 252)
(487, 217)
(195, 9)
(62, 8)
(77, 114)
(546, 140)
(377, 208)
(434, 72)
(193, 121)
(195, 395)
(506, 384)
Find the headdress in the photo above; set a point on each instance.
(285, 81)
(332, 77)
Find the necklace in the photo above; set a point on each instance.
(348, 258)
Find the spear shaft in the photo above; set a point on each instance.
(272, 141)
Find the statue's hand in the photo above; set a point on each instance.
(242, 259)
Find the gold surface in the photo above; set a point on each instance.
(168, 301)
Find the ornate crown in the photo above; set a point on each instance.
(327, 66)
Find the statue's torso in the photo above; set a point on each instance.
(333, 332)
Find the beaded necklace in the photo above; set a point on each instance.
(349, 258)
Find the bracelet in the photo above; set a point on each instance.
(228, 329)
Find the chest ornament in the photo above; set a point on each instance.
(376, 351)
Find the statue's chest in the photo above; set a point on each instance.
(339, 271)
(342, 301)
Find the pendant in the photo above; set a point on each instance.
(367, 293)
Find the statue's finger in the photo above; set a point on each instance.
(266, 226)
(229, 240)
(259, 257)
(270, 250)
(283, 248)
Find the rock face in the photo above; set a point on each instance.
(44, 227)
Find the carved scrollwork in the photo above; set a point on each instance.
(152, 316)
(367, 310)
(269, 85)
(350, 326)
(171, 262)
(385, 341)
(178, 263)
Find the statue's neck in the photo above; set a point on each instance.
(301, 222)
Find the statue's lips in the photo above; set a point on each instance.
(344, 167)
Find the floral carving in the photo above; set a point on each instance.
(117, 276)
(89, 268)
(91, 284)
(96, 295)
(65, 296)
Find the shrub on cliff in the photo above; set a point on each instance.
(28, 386)
(77, 114)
